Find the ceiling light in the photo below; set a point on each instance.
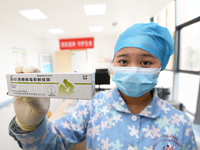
(96, 29)
(33, 14)
(95, 9)
(56, 31)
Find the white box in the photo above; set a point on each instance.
(52, 85)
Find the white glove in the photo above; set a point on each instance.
(30, 111)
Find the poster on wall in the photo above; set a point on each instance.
(16, 56)
(23, 57)
(76, 43)
(19, 56)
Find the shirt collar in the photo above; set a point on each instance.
(152, 110)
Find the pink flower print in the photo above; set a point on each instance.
(175, 120)
(85, 102)
(108, 94)
(104, 125)
(187, 132)
(53, 129)
(80, 113)
(97, 115)
(155, 131)
(89, 132)
(159, 103)
(145, 112)
(90, 108)
(66, 125)
(93, 131)
(105, 143)
(43, 137)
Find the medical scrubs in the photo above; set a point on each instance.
(107, 124)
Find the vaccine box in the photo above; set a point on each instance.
(52, 85)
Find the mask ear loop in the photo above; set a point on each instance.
(159, 70)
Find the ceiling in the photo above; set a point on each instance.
(70, 16)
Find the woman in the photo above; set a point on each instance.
(131, 116)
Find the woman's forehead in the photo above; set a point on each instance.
(132, 50)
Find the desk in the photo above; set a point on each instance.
(58, 114)
(103, 87)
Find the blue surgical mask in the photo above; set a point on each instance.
(134, 81)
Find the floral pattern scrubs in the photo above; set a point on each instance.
(107, 124)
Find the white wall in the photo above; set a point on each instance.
(10, 38)
(103, 46)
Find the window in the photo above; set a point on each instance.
(188, 88)
(190, 48)
(187, 62)
(187, 10)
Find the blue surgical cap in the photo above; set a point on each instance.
(151, 37)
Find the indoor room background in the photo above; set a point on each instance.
(24, 42)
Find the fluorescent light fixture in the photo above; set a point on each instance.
(95, 9)
(33, 14)
(56, 31)
(96, 29)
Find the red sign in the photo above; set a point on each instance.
(78, 43)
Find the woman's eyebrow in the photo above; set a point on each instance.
(147, 55)
(123, 55)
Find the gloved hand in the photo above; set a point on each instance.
(30, 111)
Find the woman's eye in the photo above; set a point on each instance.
(123, 61)
(145, 63)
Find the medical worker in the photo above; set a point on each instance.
(130, 117)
